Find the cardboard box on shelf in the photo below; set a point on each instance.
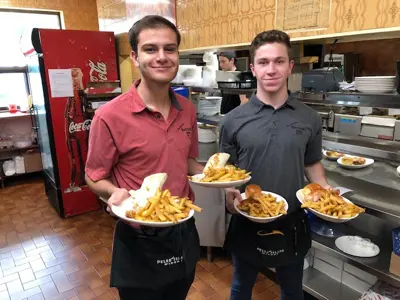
(33, 162)
(394, 267)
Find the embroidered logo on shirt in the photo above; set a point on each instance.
(299, 129)
(170, 261)
(270, 252)
(187, 130)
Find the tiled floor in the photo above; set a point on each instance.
(45, 257)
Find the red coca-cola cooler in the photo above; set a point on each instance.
(65, 68)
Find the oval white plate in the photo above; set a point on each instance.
(357, 246)
(221, 185)
(329, 157)
(300, 197)
(258, 219)
(368, 162)
(120, 210)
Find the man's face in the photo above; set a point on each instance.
(157, 56)
(272, 67)
(225, 64)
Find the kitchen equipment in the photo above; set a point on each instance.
(227, 76)
(396, 136)
(376, 127)
(206, 133)
(376, 84)
(321, 80)
(398, 76)
(347, 124)
(209, 106)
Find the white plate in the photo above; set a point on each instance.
(357, 246)
(398, 170)
(258, 219)
(329, 157)
(127, 204)
(300, 197)
(368, 162)
(221, 185)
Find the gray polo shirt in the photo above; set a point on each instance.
(274, 144)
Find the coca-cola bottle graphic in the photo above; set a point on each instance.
(77, 125)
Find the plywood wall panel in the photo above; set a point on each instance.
(238, 21)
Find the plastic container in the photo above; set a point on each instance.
(396, 240)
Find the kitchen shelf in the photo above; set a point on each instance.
(378, 265)
(360, 145)
(13, 149)
(201, 89)
(323, 287)
(350, 99)
(8, 115)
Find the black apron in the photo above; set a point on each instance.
(282, 242)
(152, 258)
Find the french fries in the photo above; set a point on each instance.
(163, 208)
(332, 204)
(226, 174)
(262, 206)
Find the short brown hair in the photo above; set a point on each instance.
(150, 22)
(269, 37)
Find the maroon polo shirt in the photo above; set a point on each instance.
(128, 142)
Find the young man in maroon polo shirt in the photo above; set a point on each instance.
(148, 130)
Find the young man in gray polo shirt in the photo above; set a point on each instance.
(279, 140)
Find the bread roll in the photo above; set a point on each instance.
(312, 187)
(252, 190)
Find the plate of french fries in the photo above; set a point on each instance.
(261, 206)
(354, 162)
(218, 174)
(327, 204)
(154, 207)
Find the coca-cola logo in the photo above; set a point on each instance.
(83, 126)
(98, 71)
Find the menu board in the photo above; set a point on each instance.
(302, 15)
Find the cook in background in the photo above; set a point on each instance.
(227, 61)
(148, 130)
(279, 140)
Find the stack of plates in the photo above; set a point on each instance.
(209, 106)
(376, 84)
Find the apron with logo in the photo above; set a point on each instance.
(273, 244)
(151, 258)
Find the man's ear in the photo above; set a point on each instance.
(134, 58)
(252, 70)
(291, 64)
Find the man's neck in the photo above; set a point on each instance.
(276, 99)
(233, 69)
(154, 95)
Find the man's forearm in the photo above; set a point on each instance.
(194, 167)
(103, 188)
(316, 173)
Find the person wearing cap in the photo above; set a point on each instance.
(227, 62)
